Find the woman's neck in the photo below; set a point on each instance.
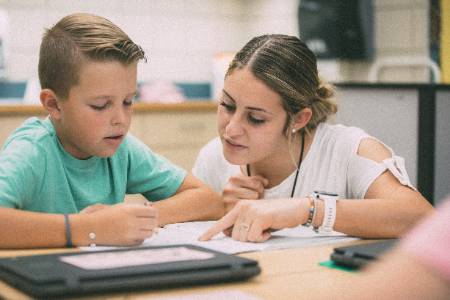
(277, 168)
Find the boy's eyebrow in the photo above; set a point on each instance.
(101, 97)
(107, 97)
(249, 107)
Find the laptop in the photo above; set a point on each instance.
(360, 255)
(127, 269)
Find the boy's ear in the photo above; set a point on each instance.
(49, 101)
(301, 119)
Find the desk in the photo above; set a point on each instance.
(286, 274)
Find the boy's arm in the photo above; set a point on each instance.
(119, 225)
(193, 201)
(24, 229)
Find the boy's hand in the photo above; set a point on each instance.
(93, 208)
(124, 224)
(243, 187)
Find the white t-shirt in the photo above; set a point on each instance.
(331, 164)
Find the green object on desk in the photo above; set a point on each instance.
(330, 264)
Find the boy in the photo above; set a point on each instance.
(80, 158)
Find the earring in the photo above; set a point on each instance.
(294, 130)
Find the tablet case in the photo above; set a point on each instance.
(359, 255)
(47, 276)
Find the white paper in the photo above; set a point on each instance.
(188, 233)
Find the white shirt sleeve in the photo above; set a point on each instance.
(212, 168)
(362, 172)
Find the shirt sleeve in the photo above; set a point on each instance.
(429, 242)
(211, 167)
(20, 174)
(362, 172)
(151, 174)
(200, 169)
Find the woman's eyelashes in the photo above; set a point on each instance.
(228, 107)
(255, 120)
(250, 117)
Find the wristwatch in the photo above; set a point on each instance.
(329, 212)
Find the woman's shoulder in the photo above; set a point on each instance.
(212, 155)
(212, 167)
(340, 131)
(214, 144)
(213, 148)
(339, 137)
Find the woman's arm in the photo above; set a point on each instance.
(389, 208)
(193, 201)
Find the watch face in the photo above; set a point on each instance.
(325, 193)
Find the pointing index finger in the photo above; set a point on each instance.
(227, 221)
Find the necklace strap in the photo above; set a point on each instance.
(300, 159)
(299, 163)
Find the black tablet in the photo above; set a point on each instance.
(119, 270)
(359, 255)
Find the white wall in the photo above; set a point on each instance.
(181, 36)
(178, 36)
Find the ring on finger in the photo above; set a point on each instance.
(244, 226)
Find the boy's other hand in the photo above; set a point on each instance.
(124, 224)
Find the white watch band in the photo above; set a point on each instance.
(329, 212)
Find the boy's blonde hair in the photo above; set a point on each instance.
(76, 39)
(288, 66)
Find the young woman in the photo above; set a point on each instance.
(275, 145)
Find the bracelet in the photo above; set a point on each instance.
(312, 212)
(92, 237)
(68, 231)
(329, 214)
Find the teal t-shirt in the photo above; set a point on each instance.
(37, 174)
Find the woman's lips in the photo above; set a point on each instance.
(234, 145)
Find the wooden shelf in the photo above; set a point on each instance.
(190, 106)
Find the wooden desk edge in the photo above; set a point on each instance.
(139, 107)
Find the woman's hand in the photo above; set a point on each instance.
(243, 187)
(253, 221)
(124, 224)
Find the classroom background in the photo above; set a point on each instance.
(396, 87)
(182, 37)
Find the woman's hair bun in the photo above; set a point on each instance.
(325, 90)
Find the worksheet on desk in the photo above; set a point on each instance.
(189, 232)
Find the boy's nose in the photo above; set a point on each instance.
(119, 117)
